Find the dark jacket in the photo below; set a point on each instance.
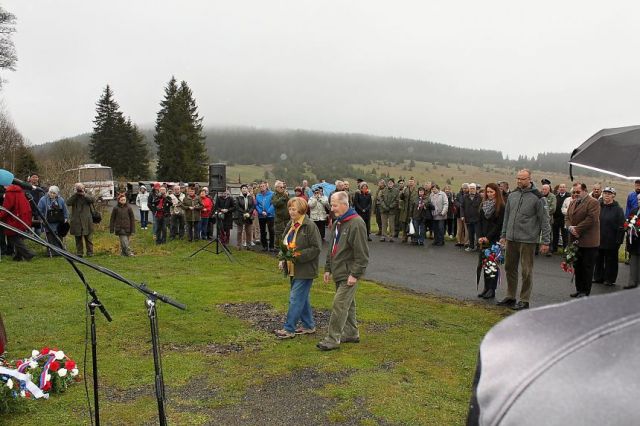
(471, 208)
(308, 243)
(224, 203)
(155, 206)
(558, 217)
(240, 210)
(611, 222)
(453, 209)
(585, 216)
(362, 203)
(352, 255)
(424, 213)
(491, 227)
(122, 221)
(81, 222)
(633, 243)
(16, 202)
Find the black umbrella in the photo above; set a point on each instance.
(613, 151)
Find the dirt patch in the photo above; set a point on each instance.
(263, 317)
(291, 400)
(208, 349)
(112, 394)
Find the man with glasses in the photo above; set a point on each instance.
(583, 224)
(526, 218)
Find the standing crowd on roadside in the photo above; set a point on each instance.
(526, 221)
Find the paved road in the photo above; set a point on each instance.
(451, 272)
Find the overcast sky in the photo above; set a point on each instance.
(521, 77)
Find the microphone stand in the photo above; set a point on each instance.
(151, 298)
(91, 304)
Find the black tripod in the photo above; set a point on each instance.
(220, 246)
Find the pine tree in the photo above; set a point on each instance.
(182, 155)
(116, 141)
(26, 162)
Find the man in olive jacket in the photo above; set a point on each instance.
(279, 202)
(408, 198)
(346, 261)
(389, 208)
(81, 223)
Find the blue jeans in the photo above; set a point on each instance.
(203, 227)
(144, 218)
(421, 229)
(299, 305)
(438, 231)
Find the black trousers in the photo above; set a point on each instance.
(558, 229)
(266, 224)
(584, 268)
(322, 226)
(451, 226)
(606, 268)
(367, 221)
(22, 252)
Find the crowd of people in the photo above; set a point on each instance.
(527, 221)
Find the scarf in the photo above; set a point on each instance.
(488, 207)
(291, 238)
(350, 214)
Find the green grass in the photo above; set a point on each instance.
(414, 365)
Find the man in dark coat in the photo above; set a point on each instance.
(583, 224)
(470, 214)
(611, 236)
(81, 223)
(558, 228)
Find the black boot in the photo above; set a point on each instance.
(484, 292)
(489, 294)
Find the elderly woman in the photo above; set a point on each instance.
(54, 209)
(81, 221)
(302, 234)
(440, 204)
(611, 237)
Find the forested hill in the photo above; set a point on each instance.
(322, 150)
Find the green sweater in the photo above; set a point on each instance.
(352, 256)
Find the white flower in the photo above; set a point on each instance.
(47, 378)
(33, 364)
(59, 355)
(34, 353)
(74, 372)
(30, 376)
(23, 394)
(10, 384)
(62, 372)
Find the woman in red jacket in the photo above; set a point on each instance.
(16, 202)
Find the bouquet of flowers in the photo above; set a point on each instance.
(45, 371)
(632, 226)
(570, 256)
(491, 259)
(287, 253)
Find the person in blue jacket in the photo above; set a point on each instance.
(266, 217)
(54, 209)
(632, 199)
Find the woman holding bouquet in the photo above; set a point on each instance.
(490, 225)
(299, 256)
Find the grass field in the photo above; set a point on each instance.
(221, 363)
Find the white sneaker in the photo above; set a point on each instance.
(253, 244)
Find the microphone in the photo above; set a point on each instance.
(6, 179)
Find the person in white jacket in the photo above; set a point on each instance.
(141, 201)
(440, 203)
(318, 207)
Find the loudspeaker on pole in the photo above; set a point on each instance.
(217, 177)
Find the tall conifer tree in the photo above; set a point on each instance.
(182, 155)
(116, 142)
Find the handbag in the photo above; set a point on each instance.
(412, 229)
(96, 217)
(55, 215)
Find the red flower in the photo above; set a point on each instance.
(19, 363)
(54, 366)
(637, 222)
(45, 350)
(626, 225)
(47, 386)
(70, 365)
(27, 395)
